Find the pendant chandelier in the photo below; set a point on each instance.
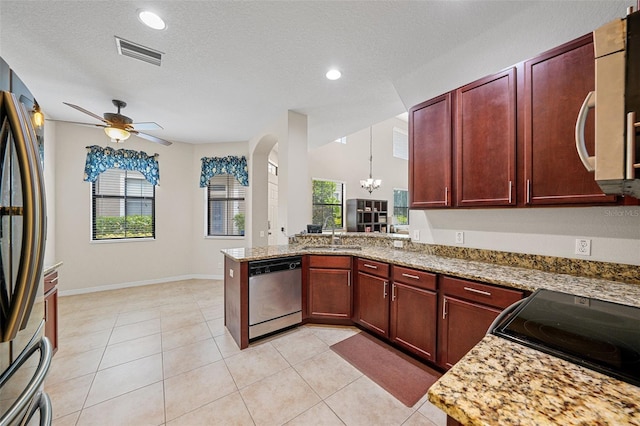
(371, 183)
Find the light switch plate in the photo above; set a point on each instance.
(416, 235)
(230, 273)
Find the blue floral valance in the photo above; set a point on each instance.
(230, 165)
(102, 159)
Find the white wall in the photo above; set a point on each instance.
(349, 162)
(90, 264)
(294, 197)
(206, 258)
(614, 231)
(50, 192)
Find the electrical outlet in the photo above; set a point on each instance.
(416, 235)
(459, 237)
(230, 273)
(398, 244)
(261, 233)
(583, 247)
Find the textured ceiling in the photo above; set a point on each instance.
(230, 69)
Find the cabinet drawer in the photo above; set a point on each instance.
(372, 267)
(483, 293)
(415, 278)
(50, 281)
(339, 262)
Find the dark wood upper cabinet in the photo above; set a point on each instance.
(556, 84)
(430, 153)
(485, 120)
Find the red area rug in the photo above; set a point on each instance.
(399, 374)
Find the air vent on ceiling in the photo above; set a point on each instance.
(138, 51)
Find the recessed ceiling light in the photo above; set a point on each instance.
(333, 74)
(151, 20)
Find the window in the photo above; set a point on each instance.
(123, 206)
(272, 168)
(328, 203)
(401, 206)
(225, 206)
(400, 144)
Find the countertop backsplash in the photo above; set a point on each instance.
(583, 268)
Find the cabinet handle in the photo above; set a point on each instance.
(384, 290)
(349, 278)
(446, 195)
(46, 310)
(54, 280)
(631, 145)
(510, 190)
(528, 191)
(393, 292)
(415, 277)
(475, 290)
(444, 308)
(366, 265)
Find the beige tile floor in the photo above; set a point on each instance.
(160, 355)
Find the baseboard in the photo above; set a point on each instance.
(137, 284)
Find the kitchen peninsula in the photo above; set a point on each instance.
(496, 372)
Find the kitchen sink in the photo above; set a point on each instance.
(336, 247)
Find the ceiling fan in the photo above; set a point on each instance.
(119, 127)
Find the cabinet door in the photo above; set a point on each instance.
(486, 141)
(413, 319)
(556, 84)
(462, 325)
(329, 293)
(373, 303)
(51, 318)
(430, 153)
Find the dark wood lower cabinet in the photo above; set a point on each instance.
(329, 281)
(467, 309)
(413, 319)
(462, 326)
(372, 303)
(51, 309)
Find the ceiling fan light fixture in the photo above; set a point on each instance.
(118, 135)
(151, 20)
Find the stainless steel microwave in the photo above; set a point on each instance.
(616, 103)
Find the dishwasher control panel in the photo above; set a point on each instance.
(267, 266)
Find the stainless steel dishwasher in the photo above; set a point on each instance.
(275, 295)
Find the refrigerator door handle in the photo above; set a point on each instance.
(46, 410)
(30, 392)
(32, 250)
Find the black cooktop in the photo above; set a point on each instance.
(596, 334)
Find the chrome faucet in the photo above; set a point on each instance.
(334, 240)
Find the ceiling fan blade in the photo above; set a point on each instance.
(150, 138)
(147, 125)
(77, 122)
(97, 117)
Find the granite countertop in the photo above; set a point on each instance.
(509, 276)
(50, 268)
(500, 382)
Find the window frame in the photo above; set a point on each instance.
(401, 207)
(125, 197)
(341, 205)
(207, 212)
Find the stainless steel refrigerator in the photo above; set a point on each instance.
(25, 354)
